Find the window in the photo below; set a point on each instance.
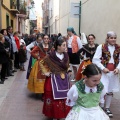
(12, 23)
(7, 20)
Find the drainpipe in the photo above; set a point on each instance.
(80, 17)
(1, 15)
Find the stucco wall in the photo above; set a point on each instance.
(54, 9)
(5, 12)
(11, 17)
(99, 17)
(6, 3)
(27, 26)
(66, 19)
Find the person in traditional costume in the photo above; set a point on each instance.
(29, 48)
(86, 53)
(73, 44)
(56, 67)
(107, 58)
(85, 95)
(37, 79)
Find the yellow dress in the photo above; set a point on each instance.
(35, 83)
(37, 79)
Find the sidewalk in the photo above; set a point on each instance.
(4, 88)
(17, 103)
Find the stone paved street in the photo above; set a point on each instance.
(17, 103)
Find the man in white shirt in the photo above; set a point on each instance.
(13, 46)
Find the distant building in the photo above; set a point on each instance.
(39, 22)
(45, 8)
(54, 16)
(62, 14)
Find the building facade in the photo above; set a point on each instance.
(45, 8)
(8, 12)
(62, 14)
(53, 16)
(58, 15)
(85, 16)
(39, 22)
(0, 14)
(99, 17)
(14, 13)
(27, 20)
(68, 15)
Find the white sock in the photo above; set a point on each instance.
(108, 101)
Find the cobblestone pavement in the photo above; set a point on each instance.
(17, 103)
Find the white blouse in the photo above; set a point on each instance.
(78, 41)
(31, 45)
(72, 94)
(60, 56)
(98, 54)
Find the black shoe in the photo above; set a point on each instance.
(108, 112)
(17, 67)
(14, 71)
(11, 75)
(103, 108)
(7, 75)
(2, 79)
(1, 82)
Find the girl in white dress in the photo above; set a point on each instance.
(85, 96)
(107, 58)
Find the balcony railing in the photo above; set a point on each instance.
(22, 10)
(20, 5)
(14, 4)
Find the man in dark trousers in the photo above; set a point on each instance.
(3, 59)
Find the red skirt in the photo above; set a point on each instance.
(53, 108)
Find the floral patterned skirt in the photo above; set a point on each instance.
(53, 108)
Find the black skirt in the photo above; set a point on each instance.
(73, 57)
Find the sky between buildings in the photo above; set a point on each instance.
(38, 4)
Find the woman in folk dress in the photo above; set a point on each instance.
(29, 49)
(37, 79)
(86, 53)
(55, 67)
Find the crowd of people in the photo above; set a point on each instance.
(12, 53)
(54, 60)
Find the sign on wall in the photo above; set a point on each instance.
(74, 10)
